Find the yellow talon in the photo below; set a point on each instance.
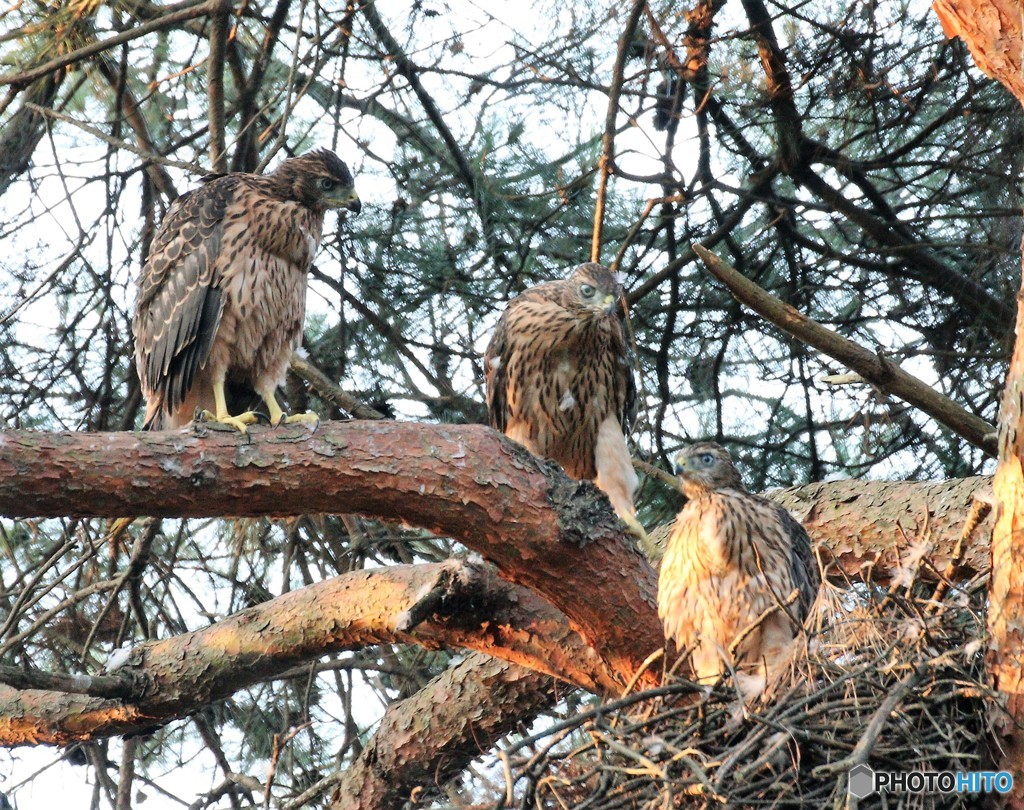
(308, 418)
(277, 414)
(237, 422)
(223, 417)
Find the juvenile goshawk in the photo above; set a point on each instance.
(222, 296)
(738, 577)
(559, 381)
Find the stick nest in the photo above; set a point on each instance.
(895, 681)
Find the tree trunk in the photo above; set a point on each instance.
(1006, 591)
(993, 31)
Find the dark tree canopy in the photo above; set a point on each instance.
(846, 157)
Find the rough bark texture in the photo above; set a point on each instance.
(465, 481)
(1006, 590)
(542, 530)
(467, 607)
(458, 716)
(865, 529)
(992, 31)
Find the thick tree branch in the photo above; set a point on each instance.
(879, 372)
(95, 685)
(540, 528)
(171, 677)
(430, 737)
(863, 528)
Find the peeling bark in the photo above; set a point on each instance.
(430, 737)
(543, 530)
(862, 529)
(1006, 590)
(992, 31)
(173, 677)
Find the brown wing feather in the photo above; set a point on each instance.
(180, 303)
(495, 375)
(500, 348)
(804, 565)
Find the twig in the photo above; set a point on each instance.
(638, 225)
(136, 565)
(100, 686)
(652, 471)
(607, 159)
(411, 71)
(166, 21)
(883, 374)
(981, 505)
(328, 390)
(126, 773)
(215, 85)
(751, 194)
(874, 728)
(151, 157)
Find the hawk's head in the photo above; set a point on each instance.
(706, 466)
(319, 180)
(592, 289)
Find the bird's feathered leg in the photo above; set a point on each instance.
(222, 416)
(617, 479)
(277, 415)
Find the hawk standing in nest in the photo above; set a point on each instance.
(560, 383)
(738, 577)
(222, 297)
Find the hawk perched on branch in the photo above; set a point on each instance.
(738, 577)
(560, 383)
(222, 296)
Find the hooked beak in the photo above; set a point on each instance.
(348, 200)
(679, 465)
(610, 303)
